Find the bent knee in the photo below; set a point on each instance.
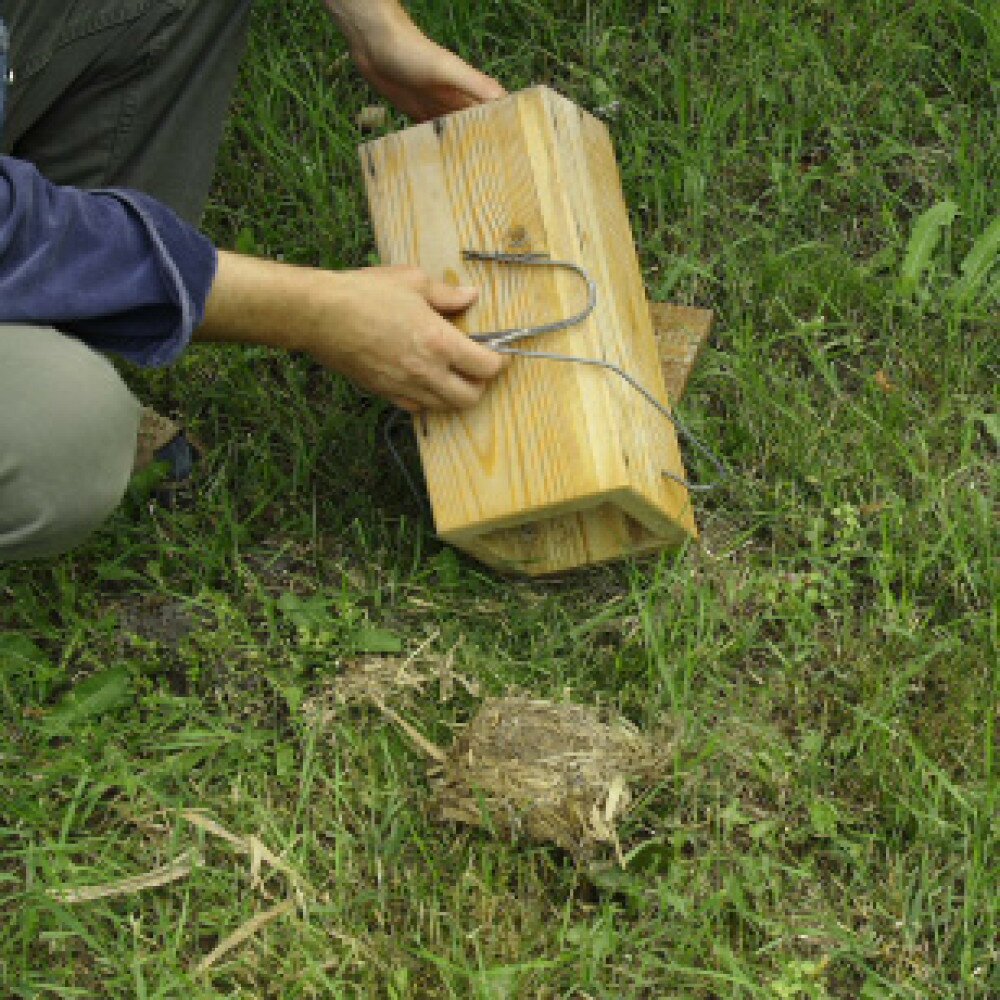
(67, 442)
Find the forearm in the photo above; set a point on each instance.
(384, 328)
(363, 21)
(265, 303)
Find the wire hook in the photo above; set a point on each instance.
(500, 339)
(495, 338)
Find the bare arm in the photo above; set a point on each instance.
(361, 19)
(384, 328)
(420, 77)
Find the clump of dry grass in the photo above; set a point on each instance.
(554, 772)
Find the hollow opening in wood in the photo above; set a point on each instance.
(554, 543)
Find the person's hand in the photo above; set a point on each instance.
(391, 337)
(422, 79)
(385, 328)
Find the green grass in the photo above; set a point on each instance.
(828, 653)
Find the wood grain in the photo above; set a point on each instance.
(560, 465)
(681, 335)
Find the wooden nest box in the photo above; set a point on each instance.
(561, 464)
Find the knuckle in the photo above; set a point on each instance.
(496, 363)
(469, 395)
(436, 340)
(415, 371)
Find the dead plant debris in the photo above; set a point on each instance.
(172, 871)
(554, 772)
(379, 680)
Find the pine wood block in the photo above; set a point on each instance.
(681, 335)
(560, 465)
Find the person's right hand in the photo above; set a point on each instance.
(385, 328)
(389, 334)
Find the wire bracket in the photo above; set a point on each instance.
(500, 340)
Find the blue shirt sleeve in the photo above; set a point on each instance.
(115, 268)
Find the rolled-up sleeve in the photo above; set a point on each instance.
(115, 268)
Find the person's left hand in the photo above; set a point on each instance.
(422, 79)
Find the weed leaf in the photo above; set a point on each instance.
(96, 695)
(376, 640)
(17, 652)
(978, 263)
(923, 241)
(991, 421)
(311, 614)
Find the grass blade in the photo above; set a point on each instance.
(96, 695)
(923, 241)
(978, 263)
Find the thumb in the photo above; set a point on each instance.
(450, 298)
(481, 87)
(475, 85)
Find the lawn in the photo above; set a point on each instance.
(824, 177)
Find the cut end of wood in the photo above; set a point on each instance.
(681, 335)
(553, 545)
(571, 539)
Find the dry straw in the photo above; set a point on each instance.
(555, 772)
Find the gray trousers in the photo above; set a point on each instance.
(129, 93)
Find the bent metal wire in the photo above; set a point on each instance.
(500, 341)
(496, 338)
